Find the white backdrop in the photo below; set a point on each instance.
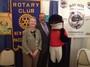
(75, 14)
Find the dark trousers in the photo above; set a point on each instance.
(42, 61)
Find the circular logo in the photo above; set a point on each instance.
(24, 21)
(76, 20)
(88, 5)
(63, 4)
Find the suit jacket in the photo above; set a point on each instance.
(45, 38)
(29, 42)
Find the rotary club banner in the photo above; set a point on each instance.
(5, 23)
(22, 10)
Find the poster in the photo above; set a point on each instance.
(74, 14)
(5, 23)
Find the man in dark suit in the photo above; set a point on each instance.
(43, 27)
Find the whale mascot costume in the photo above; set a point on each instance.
(58, 37)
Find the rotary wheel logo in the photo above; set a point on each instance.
(76, 20)
(24, 21)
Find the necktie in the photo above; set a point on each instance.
(45, 28)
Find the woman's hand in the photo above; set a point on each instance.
(35, 53)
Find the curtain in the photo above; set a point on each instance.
(53, 7)
(76, 45)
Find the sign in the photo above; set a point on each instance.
(22, 10)
(74, 14)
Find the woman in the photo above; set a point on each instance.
(31, 44)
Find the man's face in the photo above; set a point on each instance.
(42, 18)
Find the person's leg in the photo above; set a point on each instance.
(39, 60)
(45, 59)
(27, 60)
(51, 64)
(52, 54)
(42, 61)
(52, 57)
(59, 54)
(35, 60)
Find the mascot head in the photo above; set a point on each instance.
(56, 21)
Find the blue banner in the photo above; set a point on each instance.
(53, 7)
(21, 12)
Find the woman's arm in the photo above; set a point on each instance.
(24, 43)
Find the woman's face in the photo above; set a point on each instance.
(32, 22)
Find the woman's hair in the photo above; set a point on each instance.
(32, 17)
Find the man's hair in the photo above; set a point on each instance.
(40, 14)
